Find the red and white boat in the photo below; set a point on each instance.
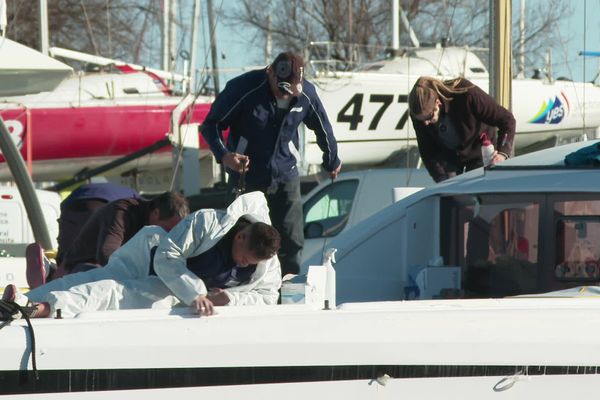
(94, 118)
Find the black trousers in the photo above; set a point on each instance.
(72, 218)
(285, 209)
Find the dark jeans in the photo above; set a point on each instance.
(285, 210)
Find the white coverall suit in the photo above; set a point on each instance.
(125, 283)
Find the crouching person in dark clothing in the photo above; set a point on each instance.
(109, 228)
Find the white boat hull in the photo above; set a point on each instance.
(467, 349)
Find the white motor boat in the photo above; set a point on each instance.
(528, 225)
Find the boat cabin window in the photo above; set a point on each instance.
(509, 244)
(496, 243)
(578, 241)
(327, 212)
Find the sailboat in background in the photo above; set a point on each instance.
(115, 117)
(369, 111)
(94, 118)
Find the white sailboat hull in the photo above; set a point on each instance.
(368, 110)
(467, 349)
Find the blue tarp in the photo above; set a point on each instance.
(586, 156)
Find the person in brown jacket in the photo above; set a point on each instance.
(449, 118)
(112, 226)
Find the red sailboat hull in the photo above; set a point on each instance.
(61, 141)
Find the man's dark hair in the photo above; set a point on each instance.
(264, 240)
(170, 204)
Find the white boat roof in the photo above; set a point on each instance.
(537, 172)
(541, 171)
(438, 61)
(554, 156)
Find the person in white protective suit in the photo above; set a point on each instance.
(234, 250)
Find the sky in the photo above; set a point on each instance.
(582, 27)
(237, 52)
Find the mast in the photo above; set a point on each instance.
(166, 47)
(522, 41)
(2, 17)
(500, 52)
(212, 30)
(269, 41)
(194, 51)
(395, 26)
(213, 44)
(44, 46)
(173, 37)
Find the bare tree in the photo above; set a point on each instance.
(541, 31)
(466, 23)
(356, 30)
(122, 29)
(297, 23)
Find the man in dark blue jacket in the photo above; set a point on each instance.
(263, 109)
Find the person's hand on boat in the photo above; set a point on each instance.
(236, 162)
(333, 174)
(218, 297)
(203, 305)
(498, 158)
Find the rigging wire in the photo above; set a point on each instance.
(8, 311)
(110, 54)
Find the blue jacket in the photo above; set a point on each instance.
(248, 108)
